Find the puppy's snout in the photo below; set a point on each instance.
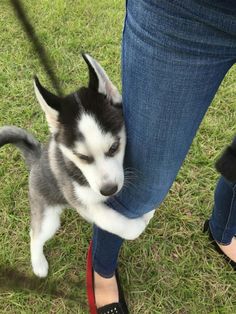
(108, 190)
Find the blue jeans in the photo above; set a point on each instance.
(174, 57)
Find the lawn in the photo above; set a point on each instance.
(171, 268)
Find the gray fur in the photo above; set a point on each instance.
(56, 177)
(47, 187)
(28, 145)
(51, 188)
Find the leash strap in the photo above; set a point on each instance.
(39, 48)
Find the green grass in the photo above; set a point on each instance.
(171, 268)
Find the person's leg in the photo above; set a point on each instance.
(223, 218)
(175, 55)
(105, 251)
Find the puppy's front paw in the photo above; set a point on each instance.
(137, 226)
(134, 228)
(148, 216)
(40, 266)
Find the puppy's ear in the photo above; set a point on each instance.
(100, 82)
(226, 164)
(50, 104)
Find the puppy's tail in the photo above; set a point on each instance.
(28, 145)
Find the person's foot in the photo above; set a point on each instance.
(229, 250)
(105, 290)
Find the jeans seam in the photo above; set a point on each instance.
(95, 248)
(125, 19)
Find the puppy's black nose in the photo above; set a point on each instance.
(108, 190)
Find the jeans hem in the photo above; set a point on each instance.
(98, 270)
(219, 240)
(230, 212)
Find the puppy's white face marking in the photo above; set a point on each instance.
(93, 155)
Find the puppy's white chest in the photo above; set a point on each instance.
(87, 196)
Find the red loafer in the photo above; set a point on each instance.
(113, 308)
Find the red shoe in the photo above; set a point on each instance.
(89, 283)
(114, 308)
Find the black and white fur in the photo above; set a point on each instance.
(82, 164)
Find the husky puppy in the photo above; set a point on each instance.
(82, 164)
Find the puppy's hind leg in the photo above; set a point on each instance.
(44, 224)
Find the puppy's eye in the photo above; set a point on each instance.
(87, 159)
(113, 149)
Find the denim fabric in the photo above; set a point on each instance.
(223, 219)
(174, 57)
(105, 251)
